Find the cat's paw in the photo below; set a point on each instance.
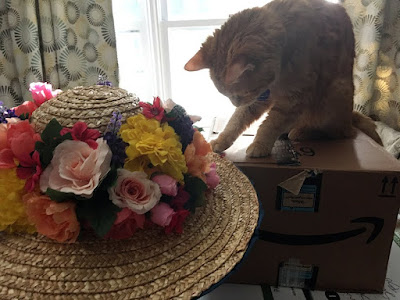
(257, 149)
(219, 145)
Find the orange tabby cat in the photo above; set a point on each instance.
(302, 52)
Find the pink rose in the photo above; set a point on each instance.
(3, 131)
(77, 168)
(55, 220)
(212, 177)
(168, 185)
(42, 91)
(161, 214)
(125, 225)
(135, 191)
(28, 107)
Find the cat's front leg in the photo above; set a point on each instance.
(240, 120)
(278, 121)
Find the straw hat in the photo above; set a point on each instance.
(90, 104)
(150, 265)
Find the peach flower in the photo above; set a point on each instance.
(55, 220)
(77, 168)
(28, 107)
(135, 191)
(21, 139)
(197, 161)
(3, 131)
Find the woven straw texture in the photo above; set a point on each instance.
(151, 265)
(91, 104)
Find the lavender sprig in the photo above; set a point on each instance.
(116, 144)
(103, 81)
(6, 113)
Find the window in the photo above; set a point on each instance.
(155, 38)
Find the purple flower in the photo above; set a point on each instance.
(116, 144)
(103, 81)
(179, 120)
(6, 113)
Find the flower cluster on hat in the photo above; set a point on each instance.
(148, 169)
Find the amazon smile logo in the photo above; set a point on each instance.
(319, 239)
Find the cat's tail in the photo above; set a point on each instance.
(366, 125)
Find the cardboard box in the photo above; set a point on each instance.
(335, 228)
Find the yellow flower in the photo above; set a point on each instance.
(154, 144)
(12, 209)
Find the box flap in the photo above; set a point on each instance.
(357, 154)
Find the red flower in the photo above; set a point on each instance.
(154, 110)
(30, 171)
(177, 220)
(179, 201)
(125, 225)
(80, 132)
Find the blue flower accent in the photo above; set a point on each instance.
(6, 113)
(264, 96)
(103, 81)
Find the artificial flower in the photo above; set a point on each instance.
(114, 141)
(12, 210)
(31, 172)
(197, 160)
(81, 132)
(28, 107)
(55, 220)
(126, 224)
(169, 104)
(3, 131)
(21, 138)
(158, 143)
(134, 191)
(179, 201)
(212, 178)
(42, 91)
(176, 224)
(154, 110)
(7, 159)
(168, 185)
(161, 214)
(77, 168)
(182, 124)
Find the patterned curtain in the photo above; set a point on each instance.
(64, 42)
(377, 66)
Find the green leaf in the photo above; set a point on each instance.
(196, 188)
(99, 211)
(200, 129)
(24, 116)
(58, 196)
(51, 131)
(46, 149)
(110, 179)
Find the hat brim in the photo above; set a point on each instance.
(149, 265)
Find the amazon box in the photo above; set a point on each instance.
(330, 210)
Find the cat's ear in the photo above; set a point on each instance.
(236, 70)
(196, 62)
